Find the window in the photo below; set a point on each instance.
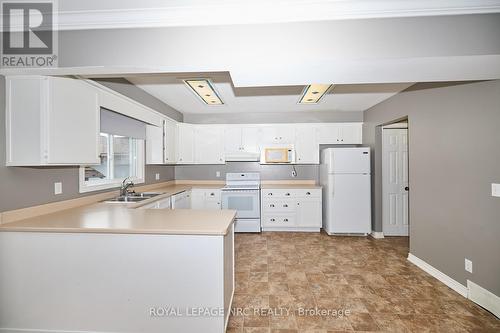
(121, 157)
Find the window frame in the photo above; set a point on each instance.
(98, 185)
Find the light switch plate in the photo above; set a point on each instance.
(157, 177)
(495, 190)
(57, 188)
(468, 265)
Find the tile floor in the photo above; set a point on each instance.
(365, 284)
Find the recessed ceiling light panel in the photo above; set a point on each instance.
(205, 90)
(314, 93)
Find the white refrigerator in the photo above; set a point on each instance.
(345, 177)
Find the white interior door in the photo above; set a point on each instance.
(395, 182)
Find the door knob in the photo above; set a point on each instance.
(407, 188)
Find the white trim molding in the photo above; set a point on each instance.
(484, 298)
(453, 284)
(259, 12)
(377, 234)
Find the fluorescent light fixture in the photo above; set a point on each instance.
(204, 89)
(314, 93)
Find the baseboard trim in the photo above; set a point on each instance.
(484, 298)
(453, 284)
(377, 234)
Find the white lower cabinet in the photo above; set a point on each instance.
(205, 198)
(294, 209)
(181, 200)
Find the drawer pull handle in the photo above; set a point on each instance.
(285, 220)
(269, 193)
(272, 220)
(271, 205)
(308, 193)
(212, 194)
(287, 194)
(285, 206)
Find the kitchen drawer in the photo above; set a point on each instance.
(307, 193)
(278, 220)
(291, 193)
(278, 206)
(273, 193)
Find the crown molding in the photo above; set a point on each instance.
(262, 12)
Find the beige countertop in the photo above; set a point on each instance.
(122, 218)
(289, 186)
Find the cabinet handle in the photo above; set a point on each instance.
(285, 205)
(271, 205)
(308, 193)
(272, 220)
(269, 194)
(287, 194)
(212, 194)
(285, 220)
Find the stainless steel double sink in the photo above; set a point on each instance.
(131, 198)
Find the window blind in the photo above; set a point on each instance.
(118, 124)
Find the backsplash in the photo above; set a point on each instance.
(267, 172)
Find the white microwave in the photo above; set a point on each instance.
(277, 155)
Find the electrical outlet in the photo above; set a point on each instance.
(495, 190)
(157, 177)
(57, 188)
(468, 265)
(217, 174)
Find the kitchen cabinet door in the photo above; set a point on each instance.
(278, 134)
(185, 143)
(73, 122)
(328, 134)
(169, 143)
(351, 133)
(197, 199)
(309, 213)
(209, 147)
(233, 140)
(51, 121)
(306, 146)
(250, 138)
(181, 200)
(154, 145)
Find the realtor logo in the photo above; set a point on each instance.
(28, 34)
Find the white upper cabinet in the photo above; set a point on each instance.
(185, 143)
(348, 133)
(250, 137)
(306, 145)
(169, 141)
(241, 143)
(51, 121)
(277, 134)
(154, 145)
(232, 140)
(160, 143)
(209, 144)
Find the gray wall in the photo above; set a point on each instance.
(27, 186)
(267, 172)
(128, 89)
(273, 117)
(454, 157)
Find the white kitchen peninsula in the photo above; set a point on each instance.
(106, 268)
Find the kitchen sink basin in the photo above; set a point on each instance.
(135, 197)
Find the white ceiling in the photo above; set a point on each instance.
(171, 90)
(98, 14)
